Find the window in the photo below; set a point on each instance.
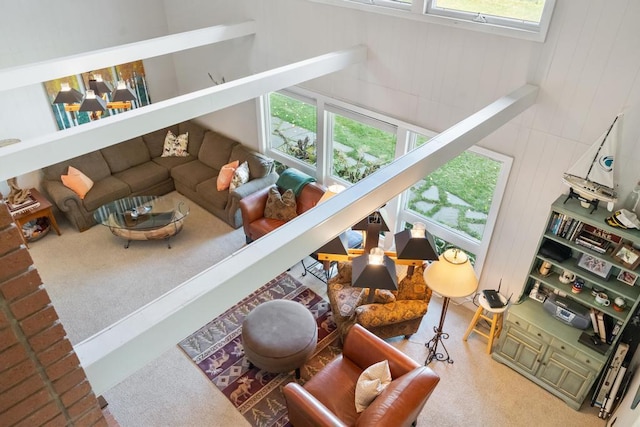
(360, 145)
(530, 15)
(397, 4)
(293, 127)
(460, 199)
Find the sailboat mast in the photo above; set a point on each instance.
(600, 147)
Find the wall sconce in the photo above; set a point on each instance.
(374, 271)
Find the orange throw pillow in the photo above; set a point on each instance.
(226, 173)
(77, 181)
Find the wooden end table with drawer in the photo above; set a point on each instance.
(41, 211)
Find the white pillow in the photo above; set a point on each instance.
(371, 383)
(240, 176)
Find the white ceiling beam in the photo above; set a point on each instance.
(36, 153)
(118, 351)
(24, 75)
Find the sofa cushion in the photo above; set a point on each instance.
(155, 140)
(143, 176)
(91, 164)
(414, 287)
(373, 315)
(175, 145)
(196, 135)
(259, 165)
(105, 191)
(193, 173)
(126, 154)
(77, 181)
(371, 384)
(171, 162)
(216, 149)
(208, 190)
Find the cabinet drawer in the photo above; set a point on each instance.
(518, 321)
(539, 333)
(594, 364)
(562, 346)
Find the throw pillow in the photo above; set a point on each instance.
(282, 207)
(175, 146)
(77, 181)
(240, 176)
(371, 383)
(225, 175)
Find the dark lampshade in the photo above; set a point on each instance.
(374, 271)
(416, 243)
(338, 245)
(375, 218)
(92, 102)
(123, 93)
(99, 86)
(67, 95)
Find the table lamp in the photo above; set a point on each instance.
(452, 276)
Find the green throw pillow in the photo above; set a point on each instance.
(282, 207)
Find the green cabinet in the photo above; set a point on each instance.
(546, 350)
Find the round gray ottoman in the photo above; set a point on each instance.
(279, 336)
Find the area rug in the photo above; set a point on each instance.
(217, 350)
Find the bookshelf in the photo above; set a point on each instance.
(546, 350)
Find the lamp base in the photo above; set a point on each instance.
(432, 345)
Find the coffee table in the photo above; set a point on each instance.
(143, 217)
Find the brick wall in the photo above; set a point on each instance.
(41, 380)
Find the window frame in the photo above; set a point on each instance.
(406, 135)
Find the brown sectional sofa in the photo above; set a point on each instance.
(135, 167)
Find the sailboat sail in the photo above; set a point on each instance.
(591, 177)
(596, 165)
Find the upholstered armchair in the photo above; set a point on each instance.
(328, 398)
(393, 313)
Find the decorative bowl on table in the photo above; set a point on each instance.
(140, 210)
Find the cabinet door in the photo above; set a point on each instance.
(566, 376)
(523, 350)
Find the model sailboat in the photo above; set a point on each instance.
(590, 179)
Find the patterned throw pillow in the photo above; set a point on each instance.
(414, 287)
(175, 146)
(282, 207)
(240, 176)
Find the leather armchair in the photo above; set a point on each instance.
(328, 398)
(252, 209)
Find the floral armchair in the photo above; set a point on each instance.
(392, 313)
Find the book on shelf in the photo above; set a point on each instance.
(601, 234)
(602, 329)
(591, 246)
(593, 313)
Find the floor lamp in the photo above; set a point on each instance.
(452, 276)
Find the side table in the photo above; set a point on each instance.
(43, 210)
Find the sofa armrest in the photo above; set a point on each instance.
(364, 349)
(306, 410)
(252, 186)
(63, 197)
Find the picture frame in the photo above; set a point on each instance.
(627, 255)
(595, 265)
(627, 277)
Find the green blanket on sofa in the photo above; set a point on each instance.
(293, 179)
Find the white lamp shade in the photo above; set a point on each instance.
(452, 275)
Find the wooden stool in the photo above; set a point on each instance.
(495, 320)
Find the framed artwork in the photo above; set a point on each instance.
(627, 277)
(627, 255)
(595, 265)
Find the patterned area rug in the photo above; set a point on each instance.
(217, 350)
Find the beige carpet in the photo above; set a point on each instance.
(93, 281)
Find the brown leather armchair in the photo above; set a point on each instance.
(252, 209)
(328, 398)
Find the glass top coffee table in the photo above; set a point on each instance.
(143, 217)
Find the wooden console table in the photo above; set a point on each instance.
(326, 259)
(41, 211)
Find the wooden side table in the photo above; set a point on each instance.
(43, 210)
